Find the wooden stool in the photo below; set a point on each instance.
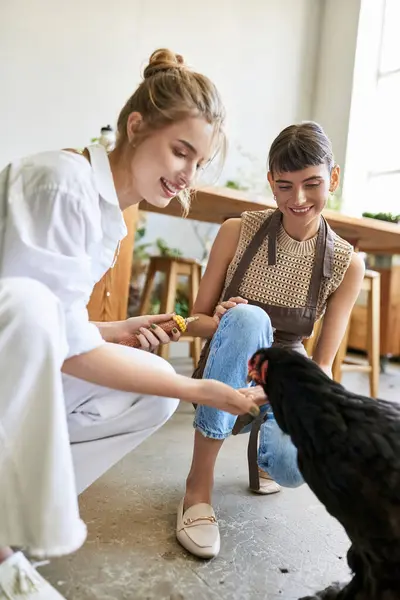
(371, 286)
(172, 268)
(342, 363)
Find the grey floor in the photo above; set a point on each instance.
(278, 547)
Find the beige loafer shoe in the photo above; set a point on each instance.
(267, 485)
(197, 530)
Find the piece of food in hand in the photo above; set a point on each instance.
(177, 322)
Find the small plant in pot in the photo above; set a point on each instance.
(381, 261)
(382, 216)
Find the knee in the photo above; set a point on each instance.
(31, 309)
(247, 315)
(160, 410)
(165, 409)
(248, 320)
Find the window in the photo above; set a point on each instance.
(383, 176)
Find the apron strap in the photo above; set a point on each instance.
(329, 252)
(250, 252)
(323, 263)
(273, 229)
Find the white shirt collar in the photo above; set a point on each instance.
(102, 173)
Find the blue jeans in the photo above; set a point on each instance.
(243, 330)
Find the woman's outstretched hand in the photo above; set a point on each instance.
(219, 395)
(255, 393)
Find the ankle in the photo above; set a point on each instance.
(5, 553)
(197, 492)
(200, 497)
(203, 481)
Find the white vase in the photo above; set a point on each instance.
(107, 138)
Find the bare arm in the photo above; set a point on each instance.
(337, 315)
(107, 366)
(211, 285)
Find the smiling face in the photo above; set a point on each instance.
(302, 195)
(171, 126)
(302, 173)
(166, 161)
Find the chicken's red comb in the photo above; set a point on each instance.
(257, 369)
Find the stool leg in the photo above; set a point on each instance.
(168, 300)
(374, 335)
(148, 286)
(311, 343)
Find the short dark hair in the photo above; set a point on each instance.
(300, 146)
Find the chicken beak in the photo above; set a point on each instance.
(252, 376)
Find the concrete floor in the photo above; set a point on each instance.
(279, 547)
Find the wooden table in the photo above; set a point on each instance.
(216, 204)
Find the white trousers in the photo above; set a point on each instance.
(58, 434)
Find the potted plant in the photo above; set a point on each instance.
(382, 216)
(381, 261)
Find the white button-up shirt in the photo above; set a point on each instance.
(60, 223)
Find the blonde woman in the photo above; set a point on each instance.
(64, 379)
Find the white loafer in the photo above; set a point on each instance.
(197, 530)
(20, 580)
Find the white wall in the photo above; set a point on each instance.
(334, 81)
(66, 68)
(361, 125)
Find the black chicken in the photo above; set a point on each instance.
(349, 454)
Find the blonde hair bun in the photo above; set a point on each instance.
(170, 92)
(163, 60)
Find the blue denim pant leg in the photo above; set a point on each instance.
(242, 331)
(277, 455)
